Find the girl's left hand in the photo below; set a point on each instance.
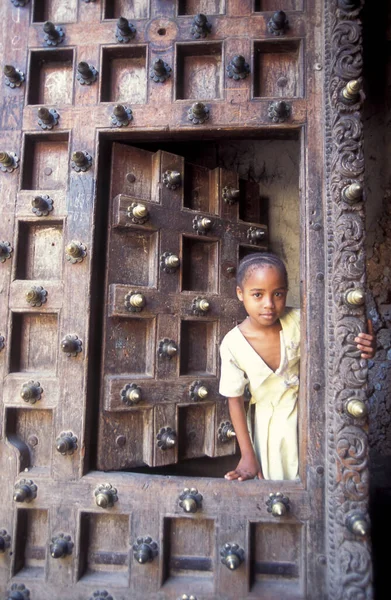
(366, 342)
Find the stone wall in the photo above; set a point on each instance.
(377, 150)
(377, 136)
(275, 165)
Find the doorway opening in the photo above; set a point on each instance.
(272, 165)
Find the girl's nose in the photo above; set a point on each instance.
(269, 301)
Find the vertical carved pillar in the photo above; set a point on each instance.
(349, 559)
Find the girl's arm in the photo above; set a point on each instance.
(248, 466)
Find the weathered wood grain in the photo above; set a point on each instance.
(82, 394)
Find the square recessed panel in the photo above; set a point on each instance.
(277, 72)
(273, 5)
(199, 71)
(104, 551)
(138, 9)
(34, 428)
(51, 77)
(198, 348)
(130, 346)
(199, 264)
(31, 542)
(252, 207)
(281, 567)
(124, 75)
(56, 11)
(45, 162)
(40, 253)
(189, 552)
(196, 430)
(133, 257)
(207, 7)
(134, 429)
(34, 342)
(200, 188)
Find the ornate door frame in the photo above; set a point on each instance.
(334, 265)
(347, 476)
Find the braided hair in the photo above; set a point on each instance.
(257, 260)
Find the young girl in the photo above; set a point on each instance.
(263, 352)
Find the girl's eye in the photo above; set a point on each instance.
(257, 295)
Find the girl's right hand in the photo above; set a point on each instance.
(248, 468)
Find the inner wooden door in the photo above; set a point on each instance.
(176, 233)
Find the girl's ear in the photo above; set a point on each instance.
(239, 293)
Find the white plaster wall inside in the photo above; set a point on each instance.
(275, 165)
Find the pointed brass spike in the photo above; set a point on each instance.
(6, 158)
(120, 112)
(189, 505)
(62, 445)
(352, 193)
(166, 438)
(36, 296)
(198, 109)
(198, 113)
(357, 408)
(39, 203)
(86, 74)
(278, 509)
(84, 69)
(13, 76)
(140, 211)
(66, 443)
(10, 71)
(172, 261)
(357, 524)
(123, 25)
(201, 27)
(279, 111)
(355, 297)
(74, 249)
(20, 495)
(102, 500)
(71, 345)
(237, 68)
(79, 158)
(125, 30)
(54, 34)
(351, 91)
(105, 495)
(232, 562)
(360, 527)
(202, 392)
(278, 504)
(172, 179)
(278, 23)
(45, 115)
(50, 28)
(137, 300)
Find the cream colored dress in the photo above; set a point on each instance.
(274, 394)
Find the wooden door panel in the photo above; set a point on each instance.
(307, 65)
(135, 251)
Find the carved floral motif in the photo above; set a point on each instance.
(347, 479)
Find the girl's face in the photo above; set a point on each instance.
(263, 294)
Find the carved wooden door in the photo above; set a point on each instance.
(174, 239)
(119, 240)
